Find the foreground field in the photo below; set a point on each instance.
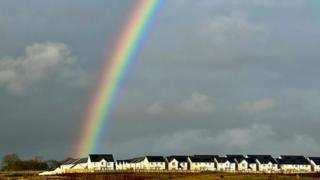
(153, 175)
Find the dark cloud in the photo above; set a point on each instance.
(212, 77)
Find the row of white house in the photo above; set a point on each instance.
(230, 163)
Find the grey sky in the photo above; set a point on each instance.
(213, 76)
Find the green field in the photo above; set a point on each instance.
(140, 176)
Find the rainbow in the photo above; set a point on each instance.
(99, 110)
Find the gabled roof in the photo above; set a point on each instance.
(206, 156)
(203, 158)
(99, 157)
(285, 159)
(178, 158)
(251, 160)
(236, 157)
(80, 161)
(156, 158)
(221, 159)
(136, 160)
(316, 160)
(263, 159)
(70, 161)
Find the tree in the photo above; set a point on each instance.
(9, 159)
(53, 164)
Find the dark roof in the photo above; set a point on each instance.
(285, 159)
(99, 157)
(70, 161)
(251, 160)
(82, 160)
(79, 161)
(138, 159)
(206, 156)
(221, 159)
(203, 158)
(231, 160)
(178, 158)
(237, 157)
(316, 160)
(156, 158)
(263, 159)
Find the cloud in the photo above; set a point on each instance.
(38, 62)
(257, 138)
(198, 103)
(277, 3)
(155, 109)
(231, 27)
(257, 106)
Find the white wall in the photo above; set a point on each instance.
(81, 166)
(242, 166)
(222, 166)
(253, 166)
(184, 165)
(173, 165)
(102, 165)
(157, 165)
(202, 166)
(295, 168)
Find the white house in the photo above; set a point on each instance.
(148, 163)
(101, 162)
(68, 164)
(138, 163)
(252, 164)
(156, 162)
(222, 164)
(315, 163)
(177, 163)
(80, 164)
(241, 163)
(123, 165)
(265, 163)
(202, 162)
(290, 164)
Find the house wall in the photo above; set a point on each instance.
(122, 166)
(295, 168)
(173, 165)
(102, 165)
(68, 166)
(314, 167)
(81, 166)
(253, 167)
(202, 166)
(157, 165)
(223, 166)
(232, 167)
(242, 166)
(184, 165)
(267, 167)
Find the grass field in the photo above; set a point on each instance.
(153, 175)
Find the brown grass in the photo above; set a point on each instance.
(32, 175)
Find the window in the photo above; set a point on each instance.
(173, 164)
